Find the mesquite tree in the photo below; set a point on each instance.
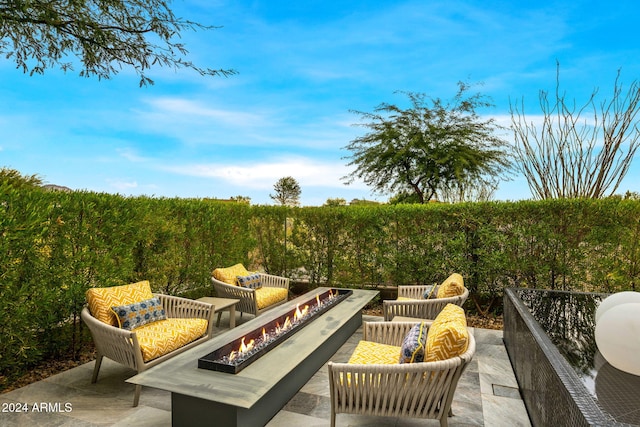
(103, 35)
(433, 148)
(578, 151)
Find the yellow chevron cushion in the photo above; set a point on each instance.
(100, 300)
(159, 338)
(229, 274)
(368, 352)
(448, 335)
(451, 287)
(266, 296)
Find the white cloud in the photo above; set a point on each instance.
(262, 175)
(186, 110)
(131, 155)
(122, 185)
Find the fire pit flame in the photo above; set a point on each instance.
(287, 323)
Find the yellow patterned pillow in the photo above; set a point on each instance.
(451, 287)
(229, 274)
(368, 352)
(266, 296)
(159, 338)
(448, 335)
(100, 300)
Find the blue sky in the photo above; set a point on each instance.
(302, 67)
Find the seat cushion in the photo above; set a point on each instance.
(448, 335)
(229, 274)
(451, 287)
(100, 300)
(369, 352)
(266, 296)
(162, 337)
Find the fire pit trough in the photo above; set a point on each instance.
(234, 356)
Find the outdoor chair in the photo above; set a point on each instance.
(257, 292)
(172, 326)
(373, 382)
(426, 301)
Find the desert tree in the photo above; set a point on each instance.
(104, 36)
(577, 150)
(287, 192)
(432, 148)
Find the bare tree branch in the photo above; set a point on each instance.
(568, 155)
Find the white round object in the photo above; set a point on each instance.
(618, 337)
(616, 299)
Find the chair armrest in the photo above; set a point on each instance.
(185, 308)
(247, 296)
(117, 344)
(416, 291)
(225, 290)
(420, 308)
(271, 281)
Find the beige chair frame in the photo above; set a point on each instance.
(122, 345)
(417, 390)
(419, 307)
(247, 296)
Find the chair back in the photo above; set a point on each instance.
(100, 300)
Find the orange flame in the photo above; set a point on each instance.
(246, 347)
(318, 300)
(264, 335)
(298, 314)
(287, 323)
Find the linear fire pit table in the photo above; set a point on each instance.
(202, 397)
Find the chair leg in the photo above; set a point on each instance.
(96, 368)
(136, 396)
(333, 418)
(219, 317)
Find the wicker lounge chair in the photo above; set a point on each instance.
(411, 302)
(273, 292)
(418, 390)
(123, 346)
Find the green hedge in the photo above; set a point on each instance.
(55, 245)
(586, 245)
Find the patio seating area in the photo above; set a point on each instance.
(487, 395)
